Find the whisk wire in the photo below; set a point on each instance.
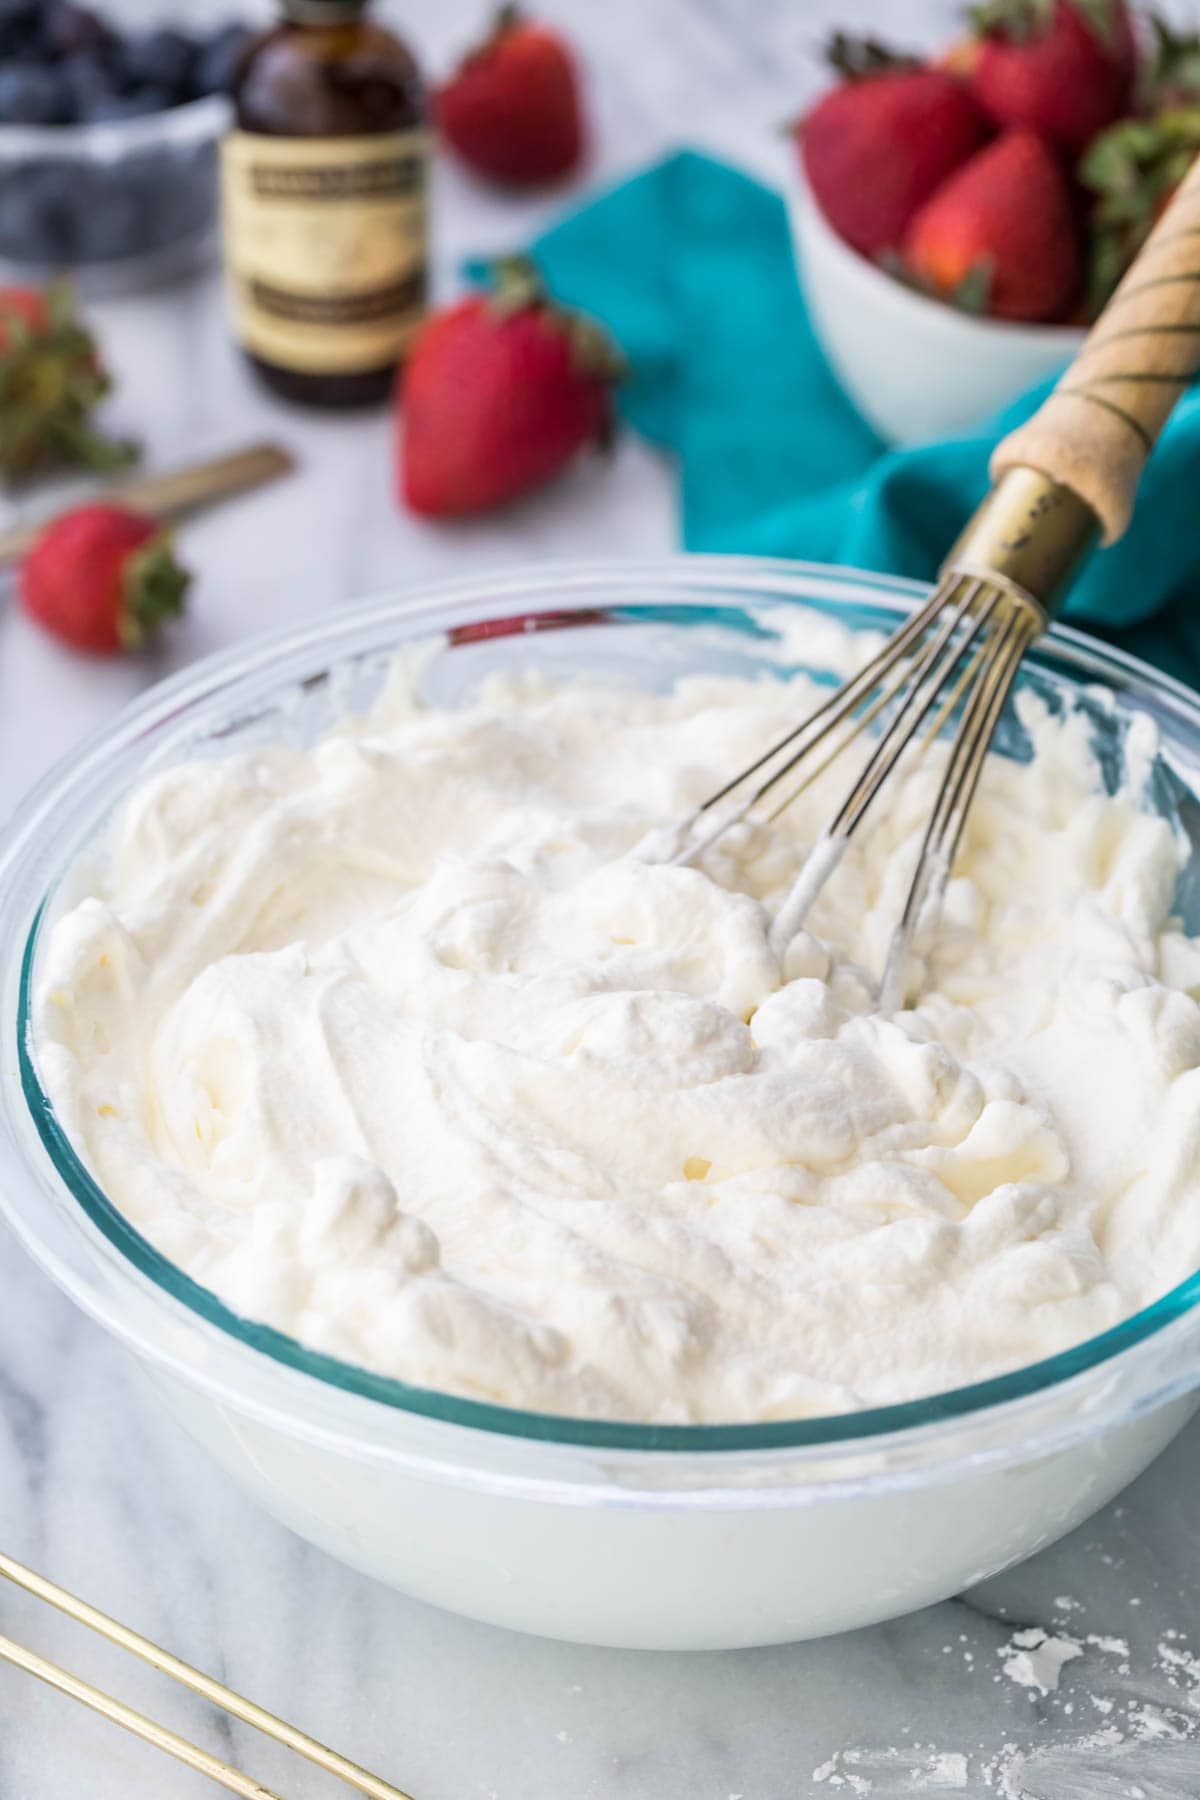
(840, 702)
(803, 737)
(1001, 658)
(929, 676)
(235, 1781)
(858, 724)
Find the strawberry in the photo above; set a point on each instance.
(1064, 68)
(51, 380)
(877, 146)
(511, 109)
(499, 393)
(1000, 234)
(103, 579)
(1133, 169)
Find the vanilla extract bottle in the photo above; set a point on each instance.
(323, 182)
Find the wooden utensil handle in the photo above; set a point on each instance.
(1095, 431)
(170, 496)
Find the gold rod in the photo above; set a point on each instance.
(1022, 638)
(975, 731)
(831, 711)
(946, 710)
(172, 495)
(215, 1692)
(858, 724)
(896, 739)
(150, 1732)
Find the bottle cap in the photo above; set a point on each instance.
(322, 12)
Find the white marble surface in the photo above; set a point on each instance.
(101, 1491)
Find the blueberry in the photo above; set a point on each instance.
(216, 60)
(116, 61)
(89, 81)
(19, 14)
(69, 30)
(20, 27)
(30, 95)
(161, 59)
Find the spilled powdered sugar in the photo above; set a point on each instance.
(1143, 1741)
(1034, 1659)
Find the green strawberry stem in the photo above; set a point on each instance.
(970, 296)
(153, 590)
(518, 286)
(88, 449)
(505, 19)
(856, 58)
(1133, 168)
(974, 290)
(1170, 74)
(51, 382)
(1020, 20)
(516, 283)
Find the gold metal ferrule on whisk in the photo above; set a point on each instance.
(1028, 536)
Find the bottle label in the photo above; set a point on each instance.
(325, 247)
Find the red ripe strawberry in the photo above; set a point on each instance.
(511, 109)
(1000, 234)
(877, 146)
(498, 394)
(51, 380)
(103, 579)
(1063, 67)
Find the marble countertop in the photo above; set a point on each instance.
(102, 1492)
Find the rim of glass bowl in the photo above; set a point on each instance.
(193, 121)
(558, 588)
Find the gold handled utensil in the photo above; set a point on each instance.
(173, 495)
(1067, 474)
(235, 1781)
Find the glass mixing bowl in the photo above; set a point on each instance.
(613, 1533)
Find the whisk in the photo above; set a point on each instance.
(1069, 472)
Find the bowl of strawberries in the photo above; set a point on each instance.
(958, 221)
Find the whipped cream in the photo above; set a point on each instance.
(396, 1045)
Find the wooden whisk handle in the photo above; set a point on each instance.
(1095, 431)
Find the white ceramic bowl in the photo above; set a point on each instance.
(915, 368)
(612, 1533)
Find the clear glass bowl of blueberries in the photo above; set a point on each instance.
(108, 143)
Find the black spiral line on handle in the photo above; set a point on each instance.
(1086, 389)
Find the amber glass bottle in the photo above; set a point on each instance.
(323, 189)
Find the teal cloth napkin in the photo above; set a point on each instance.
(690, 265)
